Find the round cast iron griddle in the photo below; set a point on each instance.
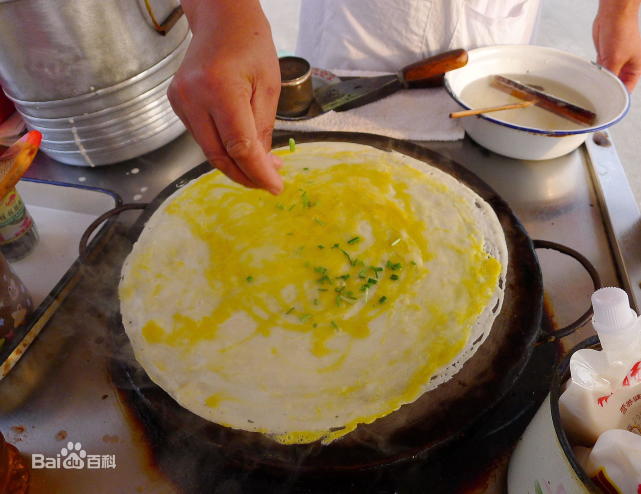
(440, 416)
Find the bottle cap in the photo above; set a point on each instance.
(15, 161)
(612, 309)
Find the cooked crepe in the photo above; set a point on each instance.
(370, 280)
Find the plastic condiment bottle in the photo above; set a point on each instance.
(614, 463)
(604, 391)
(18, 233)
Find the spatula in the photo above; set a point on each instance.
(360, 91)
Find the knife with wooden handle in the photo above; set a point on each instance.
(360, 91)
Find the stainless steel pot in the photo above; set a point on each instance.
(93, 77)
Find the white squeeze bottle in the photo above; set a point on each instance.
(615, 462)
(604, 391)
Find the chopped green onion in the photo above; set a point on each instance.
(343, 277)
(320, 269)
(362, 274)
(349, 258)
(382, 299)
(306, 169)
(290, 310)
(322, 289)
(304, 317)
(335, 246)
(376, 270)
(292, 145)
(306, 202)
(249, 279)
(320, 246)
(324, 279)
(393, 266)
(354, 240)
(394, 277)
(369, 284)
(334, 325)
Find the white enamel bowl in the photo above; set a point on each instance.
(600, 86)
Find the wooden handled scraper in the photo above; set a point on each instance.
(356, 92)
(544, 100)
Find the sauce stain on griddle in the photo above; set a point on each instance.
(110, 439)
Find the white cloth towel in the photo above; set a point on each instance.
(413, 114)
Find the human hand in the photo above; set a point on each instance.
(226, 89)
(615, 32)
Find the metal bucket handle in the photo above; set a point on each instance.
(165, 26)
(84, 240)
(596, 280)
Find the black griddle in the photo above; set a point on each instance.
(444, 437)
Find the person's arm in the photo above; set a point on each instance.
(226, 89)
(617, 40)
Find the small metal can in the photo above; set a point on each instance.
(296, 91)
(18, 234)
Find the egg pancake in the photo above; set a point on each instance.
(370, 280)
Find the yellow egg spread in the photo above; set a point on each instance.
(304, 315)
